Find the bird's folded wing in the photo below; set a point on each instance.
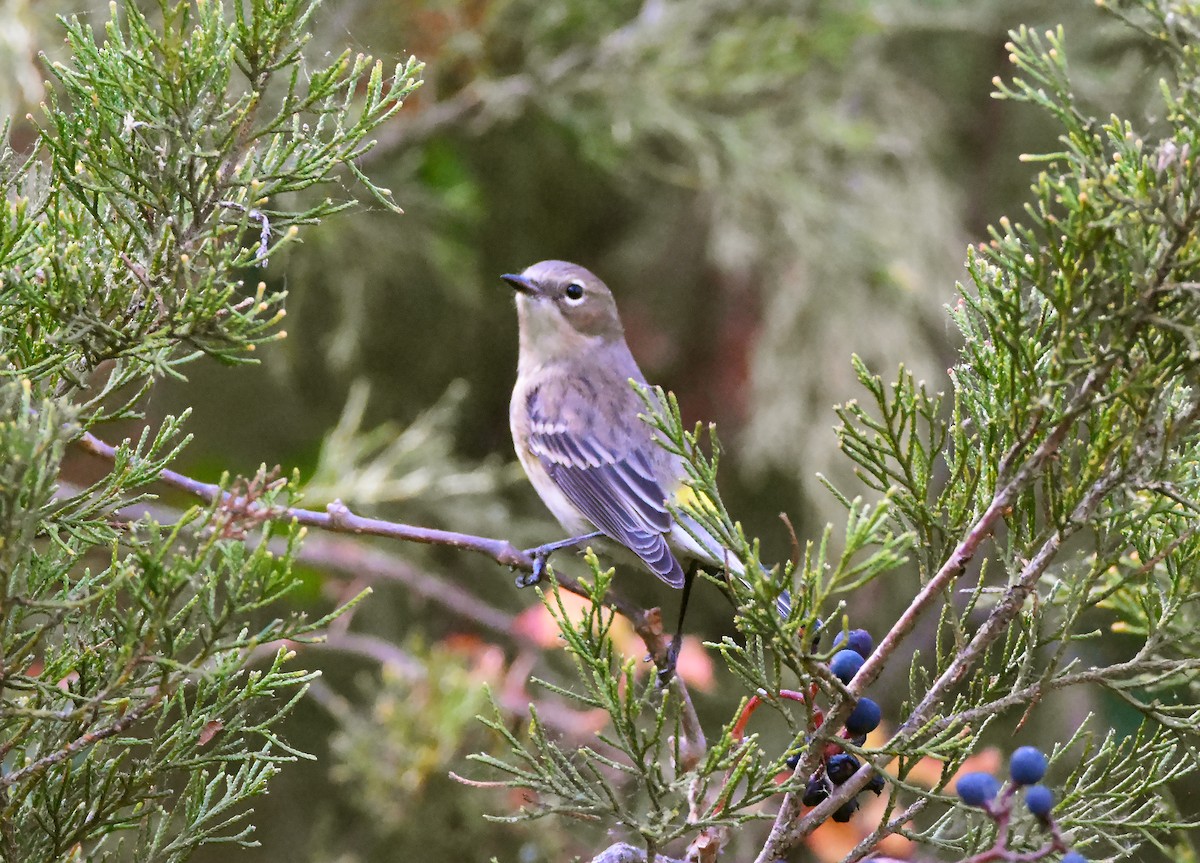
(617, 493)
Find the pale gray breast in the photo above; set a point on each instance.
(552, 496)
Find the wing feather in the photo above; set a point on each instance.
(617, 492)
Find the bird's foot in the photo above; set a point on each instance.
(541, 556)
(667, 670)
(540, 559)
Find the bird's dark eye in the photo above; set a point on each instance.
(574, 292)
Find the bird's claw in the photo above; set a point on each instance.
(540, 555)
(528, 579)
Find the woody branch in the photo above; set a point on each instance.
(337, 518)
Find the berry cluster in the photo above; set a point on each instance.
(1026, 767)
(838, 765)
(835, 770)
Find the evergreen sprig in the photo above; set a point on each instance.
(142, 684)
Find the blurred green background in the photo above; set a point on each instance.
(767, 187)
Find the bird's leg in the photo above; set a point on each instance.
(668, 670)
(541, 554)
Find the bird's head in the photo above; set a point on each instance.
(564, 308)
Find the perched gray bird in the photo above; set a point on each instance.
(576, 427)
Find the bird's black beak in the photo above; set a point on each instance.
(520, 283)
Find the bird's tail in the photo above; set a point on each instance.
(695, 539)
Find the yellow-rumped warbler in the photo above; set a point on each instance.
(576, 427)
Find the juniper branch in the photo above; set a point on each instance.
(991, 630)
(84, 740)
(788, 828)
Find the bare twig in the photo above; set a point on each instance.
(356, 560)
(886, 828)
(337, 518)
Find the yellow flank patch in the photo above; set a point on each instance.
(686, 496)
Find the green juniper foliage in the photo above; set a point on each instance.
(139, 693)
(1048, 498)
